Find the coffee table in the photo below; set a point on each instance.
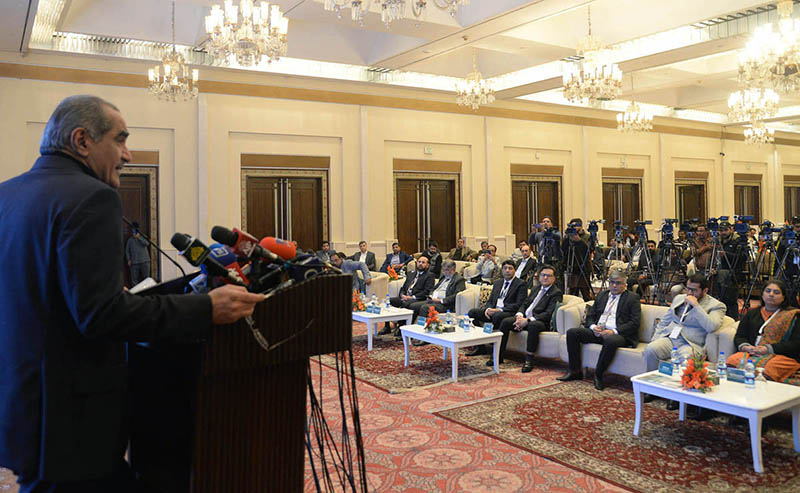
(452, 341)
(729, 397)
(373, 320)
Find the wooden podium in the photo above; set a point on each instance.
(227, 415)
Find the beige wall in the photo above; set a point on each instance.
(200, 144)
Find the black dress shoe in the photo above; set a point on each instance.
(527, 367)
(491, 362)
(569, 377)
(598, 383)
(699, 413)
(649, 398)
(385, 330)
(478, 350)
(672, 405)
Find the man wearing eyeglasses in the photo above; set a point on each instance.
(612, 322)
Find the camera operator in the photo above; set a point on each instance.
(639, 281)
(701, 248)
(788, 253)
(733, 261)
(578, 263)
(546, 242)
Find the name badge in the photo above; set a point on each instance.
(666, 368)
(488, 328)
(735, 375)
(374, 309)
(676, 331)
(421, 321)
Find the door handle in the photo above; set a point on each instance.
(276, 189)
(289, 210)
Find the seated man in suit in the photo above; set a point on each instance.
(351, 267)
(507, 295)
(643, 277)
(434, 258)
(526, 265)
(363, 255)
(488, 268)
(533, 316)
(613, 321)
(397, 259)
(444, 293)
(414, 292)
(326, 252)
(461, 251)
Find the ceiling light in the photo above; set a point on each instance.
(171, 80)
(634, 119)
(772, 58)
(391, 10)
(594, 77)
(759, 134)
(474, 90)
(753, 104)
(260, 33)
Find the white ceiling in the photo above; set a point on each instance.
(504, 35)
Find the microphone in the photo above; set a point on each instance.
(199, 254)
(225, 256)
(243, 243)
(282, 248)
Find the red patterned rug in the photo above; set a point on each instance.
(383, 366)
(592, 431)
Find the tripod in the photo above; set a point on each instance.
(765, 253)
(641, 249)
(572, 258)
(669, 262)
(616, 254)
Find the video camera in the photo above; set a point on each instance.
(668, 227)
(592, 228)
(741, 225)
(713, 223)
(640, 227)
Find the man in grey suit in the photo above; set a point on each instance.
(690, 318)
(363, 255)
(444, 293)
(352, 267)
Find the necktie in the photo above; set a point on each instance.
(529, 311)
(504, 290)
(411, 286)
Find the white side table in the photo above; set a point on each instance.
(373, 320)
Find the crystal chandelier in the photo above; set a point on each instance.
(772, 58)
(391, 10)
(474, 90)
(174, 83)
(260, 33)
(752, 104)
(634, 119)
(595, 77)
(759, 134)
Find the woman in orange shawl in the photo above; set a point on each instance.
(769, 335)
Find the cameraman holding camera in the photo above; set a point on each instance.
(546, 241)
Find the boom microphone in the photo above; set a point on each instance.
(243, 244)
(282, 248)
(198, 254)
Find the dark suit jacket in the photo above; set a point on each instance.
(64, 320)
(436, 265)
(543, 311)
(529, 269)
(370, 259)
(422, 288)
(747, 332)
(404, 259)
(457, 284)
(516, 294)
(629, 315)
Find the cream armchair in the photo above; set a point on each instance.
(379, 285)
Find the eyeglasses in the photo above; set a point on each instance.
(546, 275)
(616, 283)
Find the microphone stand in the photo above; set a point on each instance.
(152, 243)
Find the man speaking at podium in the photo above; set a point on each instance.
(64, 316)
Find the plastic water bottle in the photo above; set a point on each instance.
(675, 358)
(722, 368)
(750, 374)
(386, 302)
(374, 301)
(448, 318)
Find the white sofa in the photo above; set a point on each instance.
(630, 361)
(379, 285)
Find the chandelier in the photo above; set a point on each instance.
(634, 119)
(261, 32)
(170, 80)
(772, 58)
(759, 134)
(391, 10)
(474, 90)
(752, 104)
(595, 77)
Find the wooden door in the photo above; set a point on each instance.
(440, 204)
(747, 202)
(134, 192)
(621, 202)
(262, 206)
(305, 212)
(791, 202)
(690, 202)
(530, 202)
(409, 224)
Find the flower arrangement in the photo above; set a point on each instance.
(695, 376)
(393, 276)
(358, 305)
(432, 323)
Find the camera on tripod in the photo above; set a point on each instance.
(592, 228)
(571, 229)
(713, 223)
(740, 225)
(668, 227)
(640, 226)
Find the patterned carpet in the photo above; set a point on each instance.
(591, 431)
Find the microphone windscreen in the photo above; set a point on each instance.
(282, 248)
(222, 254)
(224, 235)
(181, 241)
